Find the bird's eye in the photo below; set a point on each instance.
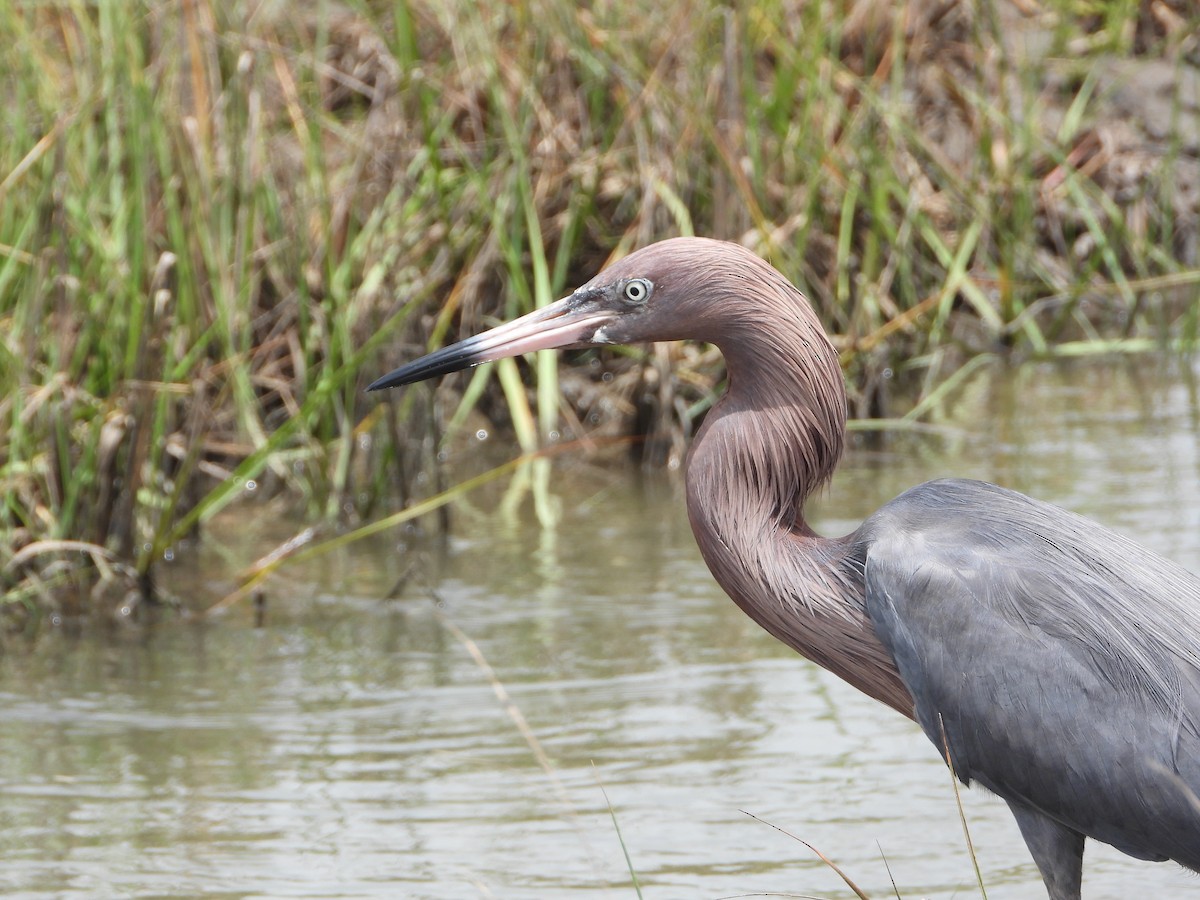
(638, 290)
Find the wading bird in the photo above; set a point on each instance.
(1056, 662)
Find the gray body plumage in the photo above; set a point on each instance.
(1058, 662)
(1058, 659)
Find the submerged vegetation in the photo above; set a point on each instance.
(220, 221)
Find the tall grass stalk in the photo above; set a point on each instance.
(612, 813)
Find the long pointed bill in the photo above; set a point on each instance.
(551, 327)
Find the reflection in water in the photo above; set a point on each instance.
(352, 748)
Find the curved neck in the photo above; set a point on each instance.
(777, 434)
(772, 440)
(782, 421)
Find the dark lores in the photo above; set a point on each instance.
(1060, 660)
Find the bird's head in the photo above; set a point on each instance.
(667, 291)
(782, 367)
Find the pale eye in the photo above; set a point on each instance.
(638, 290)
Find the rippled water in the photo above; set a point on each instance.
(353, 746)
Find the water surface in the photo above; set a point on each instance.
(353, 747)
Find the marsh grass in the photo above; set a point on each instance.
(221, 220)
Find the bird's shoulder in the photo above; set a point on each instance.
(1031, 566)
(964, 575)
(956, 521)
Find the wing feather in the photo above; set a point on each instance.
(1061, 660)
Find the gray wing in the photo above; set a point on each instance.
(1061, 661)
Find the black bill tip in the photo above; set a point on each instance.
(442, 362)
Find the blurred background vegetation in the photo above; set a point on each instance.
(221, 220)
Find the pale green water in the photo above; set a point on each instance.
(353, 748)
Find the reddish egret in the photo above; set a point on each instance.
(1057, 662)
